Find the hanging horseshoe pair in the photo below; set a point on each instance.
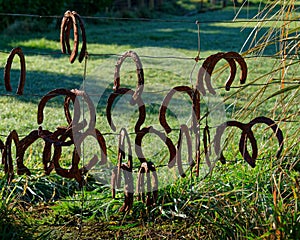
(136, 95)
(148, 169)
(7, 69)
(126, 168)
(68, 22)
(209, 64)
(247, 134)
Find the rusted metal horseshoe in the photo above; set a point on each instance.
(140, 74)
(21, 147)
(274, 128)
(69, 16)
(139, 102)
(116, 181)
(162, 136)
(209, 64)
(52, 94)
(242, 144)
(148, 168)
(243, 65)
(184, 131)
(126, 168)
(7, 156)
(83, 36)
(70, 95)
(195, 108)
(7, 69)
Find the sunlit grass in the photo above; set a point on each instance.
(234, 201)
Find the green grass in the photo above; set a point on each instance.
(234, 201)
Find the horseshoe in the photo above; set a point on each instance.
(7, 69)
(68, 16)
(184, 131)
(21, 147)
(243, 65)
(127, 171)
(209, 64)
(242, 144)
(83, 36)
(211, 60)
(162, 136)
(273, 126)
(140, 74)
(6, 157)
(148, 168)
(70, 95)
(121, 155)
(139, 102)
(52, 94)
(164, 106)
(67, 32)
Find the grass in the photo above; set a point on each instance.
(233, 201)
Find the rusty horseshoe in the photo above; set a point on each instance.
(242, 144)
(69, 20)
(126, 168)
(140, 103)
(138, 142)
(7, 69)
(140, 74)
(209, 64)
(148, 169)
(274, 128)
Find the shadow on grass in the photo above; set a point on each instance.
(168, 32)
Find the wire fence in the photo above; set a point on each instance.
(291, 82)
